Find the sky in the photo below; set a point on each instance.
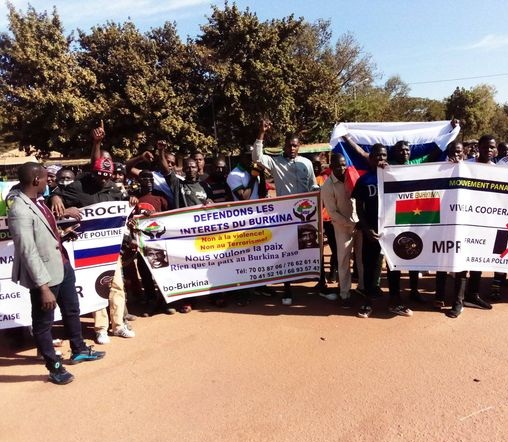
(434, 46)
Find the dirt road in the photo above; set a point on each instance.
(309, 372)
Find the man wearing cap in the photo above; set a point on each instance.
(91, 188)
(118, 178)
(52, 184)
(94, 188)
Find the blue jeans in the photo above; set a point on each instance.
(42, 321)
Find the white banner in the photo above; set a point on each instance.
(221, 247)
(444, 216)
(93, 256)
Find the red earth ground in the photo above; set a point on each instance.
(266, 372)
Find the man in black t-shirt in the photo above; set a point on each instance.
(215, 185)
(191, 192)
(91, 188)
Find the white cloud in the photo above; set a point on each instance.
(83, 14)
(490, 41)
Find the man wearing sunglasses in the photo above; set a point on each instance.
(91, 188)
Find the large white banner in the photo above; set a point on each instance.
(93, 256)
(444, 216)
(227, 246)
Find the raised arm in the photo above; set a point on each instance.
(161, 148)
(357, 148)
(130, 165)
(98, 135)
(257, 152)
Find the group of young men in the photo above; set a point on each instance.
(150, 183)
(44, 195)
(364, 202)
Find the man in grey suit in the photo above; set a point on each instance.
(41, 264)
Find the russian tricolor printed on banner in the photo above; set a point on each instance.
(417, 211)
(96, 256)
(93, 255)
(100, 235)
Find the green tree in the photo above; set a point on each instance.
(327, 76)
(142, 90)
(248, 72)
(499, 123)
(475, 107)
(402, 107)
(284, 69)
(366, 103)
(41, 82)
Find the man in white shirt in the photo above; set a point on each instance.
(291, 173)
(470, 296)
(243, 180)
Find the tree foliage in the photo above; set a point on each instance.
(142, 89)
(285, 69)
(206, 93)
(475, 107)
(249, 71)
(41, 82)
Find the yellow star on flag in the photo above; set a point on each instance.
(417, 211)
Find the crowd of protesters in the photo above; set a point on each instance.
(151, 182)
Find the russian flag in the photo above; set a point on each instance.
(96, 256)
(422, 137)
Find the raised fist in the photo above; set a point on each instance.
(265, 125)
(148, 156)
(161, 144)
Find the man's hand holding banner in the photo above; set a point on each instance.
(93, 255)
(221, 247)
(444, 216)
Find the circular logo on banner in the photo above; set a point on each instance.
(153, 229)
(407, 245)
(304, 210)
(103, 283)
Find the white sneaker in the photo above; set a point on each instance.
(124, 332)
(101, 337)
